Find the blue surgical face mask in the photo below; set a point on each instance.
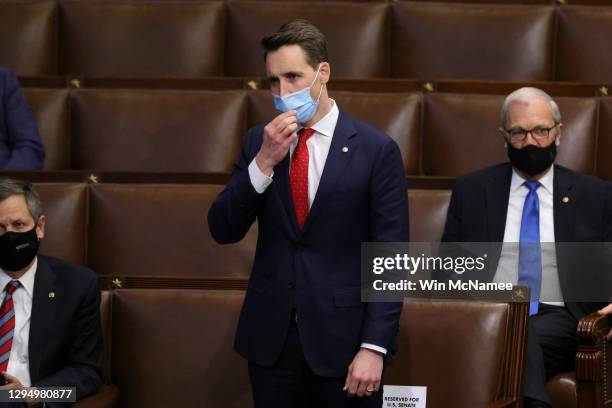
(299, 101)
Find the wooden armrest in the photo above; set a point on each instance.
(108, 396)
(592, 329)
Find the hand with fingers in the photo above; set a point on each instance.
(607, 311)
(364, 374)
(278, 136)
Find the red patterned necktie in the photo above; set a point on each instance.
(7, 324)
(298, 176)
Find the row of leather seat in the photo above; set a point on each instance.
(366, 39)
(439, 134)
(113, 227)
(157, 360)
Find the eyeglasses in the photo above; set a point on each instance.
(520, 134)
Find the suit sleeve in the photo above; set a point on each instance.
(83, 370)
(388, 223)
(27, 150)
(235, 209)
(452, 227)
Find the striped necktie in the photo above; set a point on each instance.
(7, 324)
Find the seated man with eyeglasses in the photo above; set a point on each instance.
(532, 200)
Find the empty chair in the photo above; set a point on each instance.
(471, 41)
(161, 232)
(174, 348)
(583, 44)
(28, 33)
(52, 111)
(65, 207)
(356, 33)
(604, 143)
(136, 39)
(482, 365)
(157, 131)
(427, 214)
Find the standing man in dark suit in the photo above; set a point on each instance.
(319, 183)
(50, 332)
(532, 200)
(20, 145)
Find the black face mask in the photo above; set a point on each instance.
(18, 249)
(532, 159)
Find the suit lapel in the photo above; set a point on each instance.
(341, 150)
(498, 193)
(564, 205)
(43, 313)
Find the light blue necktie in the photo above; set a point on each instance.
(530, 254)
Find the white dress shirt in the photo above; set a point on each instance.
(507, 270)
(19, 362)
(318, 149)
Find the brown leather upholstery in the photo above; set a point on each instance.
(101, 38)
(562, 391)
(471, 41)
(604, 143)
(460, 133)
(108, 396)
(65, 207)
(157, 131)
(427, 214)
(173, 348)
(583, 44)
(28, 36)
(356, 35)
(51, 108)
(460, 351)
(161, 231)
(396, 114)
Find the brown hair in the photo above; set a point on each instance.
(300, 32)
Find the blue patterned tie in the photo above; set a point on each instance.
(530, 254)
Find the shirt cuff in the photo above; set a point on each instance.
(374, 347)
(259, 180)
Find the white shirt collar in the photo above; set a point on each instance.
(546, 181)
(327, 124)
(26, 280)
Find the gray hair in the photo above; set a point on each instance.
(527, 94)
(10, 187)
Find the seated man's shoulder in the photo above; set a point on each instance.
(67, 271)
(481, 177)
(585, 181)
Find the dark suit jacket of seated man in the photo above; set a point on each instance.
(307, 276)
(56, 340)
(486, 206)
(21, 147)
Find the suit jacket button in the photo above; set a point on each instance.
(291, 285)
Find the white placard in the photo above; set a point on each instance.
(404, 396)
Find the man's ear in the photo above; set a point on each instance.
(325, 72)
(40, 227)
(558, 138)
(503, 133)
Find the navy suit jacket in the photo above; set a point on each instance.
(361, 197)
(21, 147)
(65, 343)
(479, 204)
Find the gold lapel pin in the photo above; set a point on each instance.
(51, 295)
(344, 149)
(565, 200)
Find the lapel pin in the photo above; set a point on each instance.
(565, 200)
(344, 149)
(51, 295)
